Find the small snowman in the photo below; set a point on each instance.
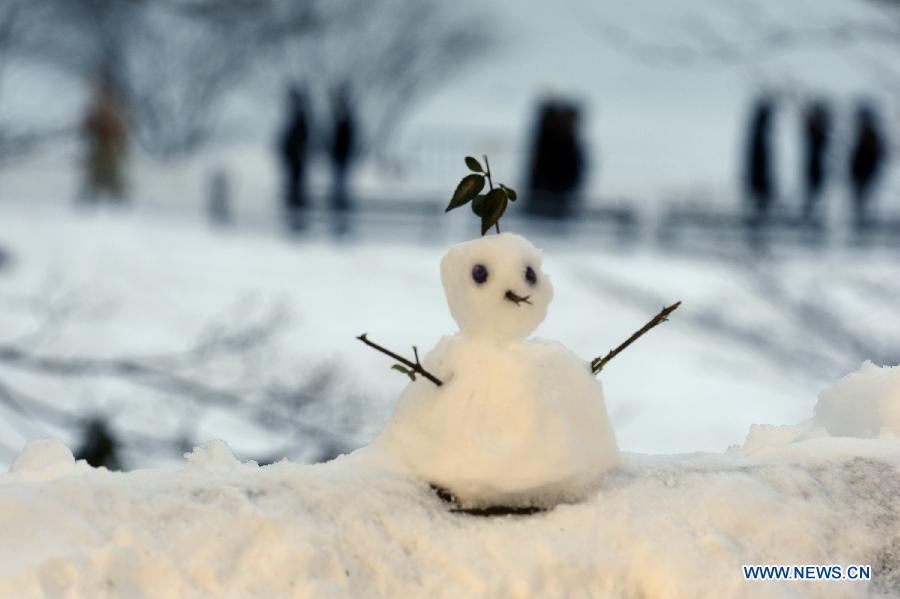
(494, 418)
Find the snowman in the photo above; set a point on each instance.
(513, 421)
(492, 419)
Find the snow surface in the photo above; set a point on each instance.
(679, 526)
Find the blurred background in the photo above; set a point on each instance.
(203, 202)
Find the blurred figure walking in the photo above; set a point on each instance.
(342, 154)
(293, 149)
(816, 136)
(867, 155)
(758, 177)
(219, 199)
(557, 161)
(99, 445)
(106, 138)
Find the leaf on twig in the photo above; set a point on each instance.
(468, 188)
(510, 192)
(473, 165)
(493, 208)
(478, 204)
(408, 372)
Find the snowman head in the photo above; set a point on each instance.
(495, 287)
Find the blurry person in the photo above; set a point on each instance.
(758, 178)
(106, 139)
(557, 163)
(342, 151)
(537, 167)
(219, 200)
(867, 154)
(99, 445)
(816, 135)
(293, 149)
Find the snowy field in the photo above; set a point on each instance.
(754, 342)
(175, 331)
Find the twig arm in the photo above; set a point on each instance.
(414, 366)
(598, 363)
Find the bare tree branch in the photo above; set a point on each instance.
(389, 53)
(800, 333)
(35, 409)
(133, 370)
(272, 407)
(174, 62)
(761, 37)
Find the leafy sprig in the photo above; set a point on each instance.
(488, 206)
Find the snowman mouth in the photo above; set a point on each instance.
(517, 299)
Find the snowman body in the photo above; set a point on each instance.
(516, 422)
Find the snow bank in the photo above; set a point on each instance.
(865, 403)
(359, 526)
(362, 525)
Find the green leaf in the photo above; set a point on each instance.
(496, 201)
(510, 192)
(494, 207)
(400, 368)
(473, 165)
(478, 204)
(468, 188)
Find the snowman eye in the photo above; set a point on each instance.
(530, 276)
(479, 273)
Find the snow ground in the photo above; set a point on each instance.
(359, 526)
(753, 342)
(740, 351)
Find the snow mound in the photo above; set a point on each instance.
(865, 403)
(215, 455)
(40, 454)
(46, 459)
(763, 436)
(359, 526)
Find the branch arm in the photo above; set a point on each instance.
(414, 366)
(598, 363)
